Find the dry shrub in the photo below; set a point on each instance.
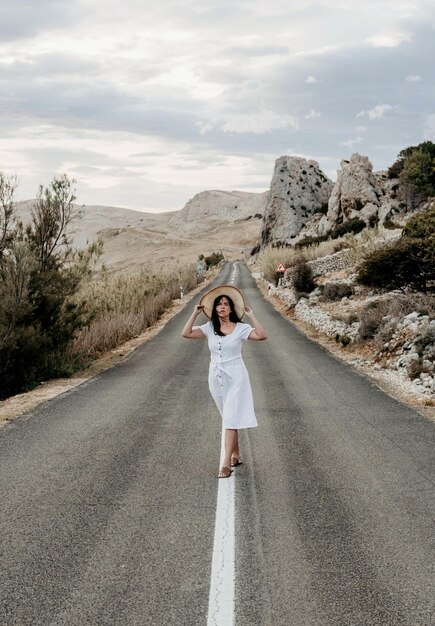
(371, 319)
(401, 305)
(336, 291)
(302, 277)
(415, 368)
(324, 248)
(394, 308)
(427, 338)
(123, 306)
(271, 256)
(385, 333)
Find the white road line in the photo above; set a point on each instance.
(221, 598)
(233, 277)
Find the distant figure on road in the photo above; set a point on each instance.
(228, 377)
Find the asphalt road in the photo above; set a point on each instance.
(108, 493)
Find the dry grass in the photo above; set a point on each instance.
(379, 319)
(325, 248)
(123, 306)
(271, 256)
(364, 243)
(359, 245)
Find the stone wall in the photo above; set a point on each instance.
(324, 265)
(325, 323)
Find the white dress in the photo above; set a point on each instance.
(228, 378)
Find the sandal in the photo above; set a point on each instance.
(235, 461)
(225, 472)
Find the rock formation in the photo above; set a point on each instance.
(299, 189)
(356, 192)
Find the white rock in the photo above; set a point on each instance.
(356, 187)
(411, 317)
(298, 189)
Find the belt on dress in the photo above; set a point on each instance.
(218, 366)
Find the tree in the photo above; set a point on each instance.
(418, 177)
(40, 277)
(52, 216)
(428, 147)
(415, 167)
(7, 190)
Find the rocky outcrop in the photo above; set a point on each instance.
(359, 192)
(356, 192)
(299, 189)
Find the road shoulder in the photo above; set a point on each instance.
(381, 378)
(24, 402)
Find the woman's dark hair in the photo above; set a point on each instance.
(215, 317)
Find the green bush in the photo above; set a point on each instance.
(214, 259)
(354, 225)
(405, 263)
(421, 225)
(309, 241)
(302, 277)
(408, 262)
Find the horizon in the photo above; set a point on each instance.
(157, 105)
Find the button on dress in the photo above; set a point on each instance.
(228, 378)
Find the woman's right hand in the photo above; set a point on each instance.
(199, 308)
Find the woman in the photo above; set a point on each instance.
(228, 377)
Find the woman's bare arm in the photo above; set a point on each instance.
(188, 332)
(259, 333)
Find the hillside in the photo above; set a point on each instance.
(227, 221)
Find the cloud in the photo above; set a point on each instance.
(388, 39)
(313, 115)
(259, 123)
(204, 127)
(318, 51)
(351, 142)
(185, 88)
(26, 18)
(311, 80)
(377, 112)
(414, 78)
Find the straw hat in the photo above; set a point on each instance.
(223, 290)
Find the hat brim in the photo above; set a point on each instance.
(235, 294)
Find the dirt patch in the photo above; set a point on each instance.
(24, 402)
(353, 355)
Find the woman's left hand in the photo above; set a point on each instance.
(247, 310)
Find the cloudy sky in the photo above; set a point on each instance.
(147, 103)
